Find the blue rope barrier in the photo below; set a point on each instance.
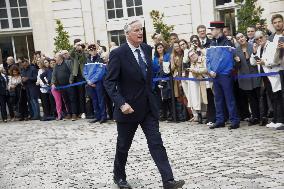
(246, 76)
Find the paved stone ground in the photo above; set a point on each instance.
(80, 155)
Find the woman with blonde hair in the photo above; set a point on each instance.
(197, 89)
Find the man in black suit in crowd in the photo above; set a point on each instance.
(205, 41)
(128, 83)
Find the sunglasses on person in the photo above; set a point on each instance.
(259, 38)
(92, 49)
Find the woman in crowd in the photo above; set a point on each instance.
(197, 89)
(4, 93)
(161, 68)
(44, 78)
(249, 87)
(42, 86)
(176, 71)
(14, 88)
(185, 65)
(198, 53)
(263, 57)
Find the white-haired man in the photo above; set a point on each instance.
(128, 83)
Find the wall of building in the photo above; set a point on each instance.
(87, 19)
(272, 7)
(42, 25)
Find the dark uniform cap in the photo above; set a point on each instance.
(217, 24)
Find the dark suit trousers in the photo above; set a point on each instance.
(253, 101)
(264, 94)
(81, 97)
(69, 97)
(126, 132)
(3, 102)
(211, 111)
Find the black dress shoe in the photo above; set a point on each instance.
(122, 184)
(253, 121)
(217, 126)
(263, 122)
(233, 127)
(163, 118)
(94, 121)
(200, 121)
(103, 121)
(174, 184)
(170, 119)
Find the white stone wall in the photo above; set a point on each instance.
(271, 7)
(86, 19)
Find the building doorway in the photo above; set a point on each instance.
(18, 46)
(229, 17)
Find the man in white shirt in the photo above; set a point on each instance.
(278, 24)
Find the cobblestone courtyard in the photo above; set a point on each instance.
(80, 155)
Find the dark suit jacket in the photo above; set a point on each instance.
(32, 89)
(244, 67)
(207, 44)
(3, 85)
(125, 83)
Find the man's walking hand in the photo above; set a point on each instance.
(126, 109)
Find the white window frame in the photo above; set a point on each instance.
(124, 8)
(109, 34)
(11, 28)
(5, 18)
(226, 5)
(134, 7)
(115, 8)
(231, 5)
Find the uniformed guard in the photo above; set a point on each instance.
(220, 63)
(94, 72)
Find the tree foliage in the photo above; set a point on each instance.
(159, 25)
(249, 14)
(61, 41)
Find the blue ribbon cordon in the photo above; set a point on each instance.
(246, 76)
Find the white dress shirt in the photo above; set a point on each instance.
(133, 49)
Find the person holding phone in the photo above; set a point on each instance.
(263, 57)
(248, 86)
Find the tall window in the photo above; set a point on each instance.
(134, 7)
(14, 14)
(19, 13)
(4, 22)
(117, 36)
(123, 8)
(114, 9)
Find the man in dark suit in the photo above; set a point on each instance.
(205, 41)
(128, 83)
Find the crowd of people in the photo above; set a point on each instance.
(206, 93)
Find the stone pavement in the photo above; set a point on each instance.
(77, 154)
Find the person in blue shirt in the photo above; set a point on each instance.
(94, 72)
(220, 64)
(161, 68)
